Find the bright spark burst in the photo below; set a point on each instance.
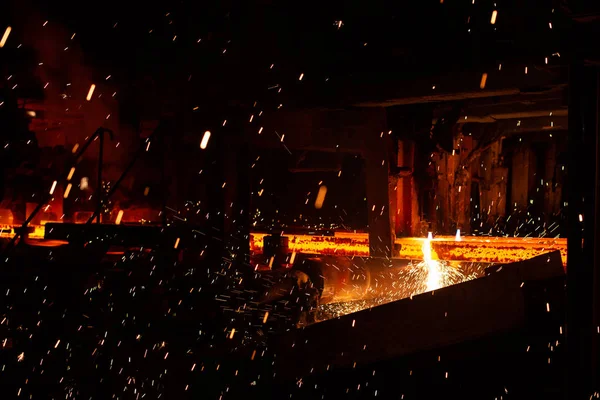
(405, 282)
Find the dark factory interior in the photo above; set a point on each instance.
(316, 200)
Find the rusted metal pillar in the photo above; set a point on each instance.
(405, 189)
(377, 167)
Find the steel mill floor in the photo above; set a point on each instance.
(163, 327)
(496, 337)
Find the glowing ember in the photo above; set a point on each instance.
(119, 217)
(67, 190)
(53, 187)
(494, 17)
(90, 92)
(5, 36)
(205, 139)
(320, 197)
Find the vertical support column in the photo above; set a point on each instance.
(463, 189)
(520, 180)
(404, 191)
(582, 241)
(99, 190)
(596, 247)
(594, 244)
(378, 196)
(380, 233)
(551, 201)
(236, 170)
(215, 178)
(167, 134)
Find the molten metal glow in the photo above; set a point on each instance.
(434, 275)
(468, 248)
(391, 284)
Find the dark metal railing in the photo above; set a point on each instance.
(99, 133)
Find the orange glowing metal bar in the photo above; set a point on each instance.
(5, 36)
(71, 172)
(176, 243)
(90, 92)
(467, 248)
(205, 139)
(266, 317)
(232, 333)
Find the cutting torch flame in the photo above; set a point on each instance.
(434, 273)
